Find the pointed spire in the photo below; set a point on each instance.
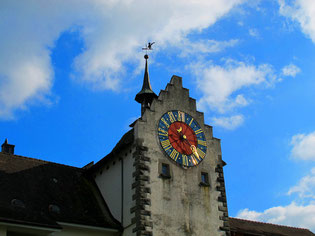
(146, 95)
(7, 148)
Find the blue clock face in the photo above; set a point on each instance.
(182, 138)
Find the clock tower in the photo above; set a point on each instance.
(165, 176)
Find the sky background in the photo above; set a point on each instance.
(69, 72)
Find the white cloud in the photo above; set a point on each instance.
(30, 77)
(303, 146)
(112, 32)
(291, 215)
(290, 70)
(221, 85)
(205, 46)
(302, 11)
(306, 187)
(230, 123)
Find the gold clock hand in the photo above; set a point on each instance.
(194, 151)
(192, 148)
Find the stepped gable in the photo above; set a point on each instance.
(42, 193)
(247, 227)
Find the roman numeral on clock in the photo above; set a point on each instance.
(198, 131)
(185, 160)
(201, 142)
(162, 132)
(191, 121)
(181, 116)
(201, 153)
(172, 117)
(174, 154)
(164, 121)
(166, 144)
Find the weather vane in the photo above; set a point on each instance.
(148, 47)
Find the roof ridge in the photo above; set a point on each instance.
(286, 226)
(39, 160)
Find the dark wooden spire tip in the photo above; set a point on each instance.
(146, 95)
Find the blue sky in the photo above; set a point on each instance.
(69, 72)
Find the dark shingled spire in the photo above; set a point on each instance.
(7, 148)
(146, 95)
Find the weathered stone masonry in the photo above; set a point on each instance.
(141, 183)
(222, 198)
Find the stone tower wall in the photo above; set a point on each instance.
(178, 205)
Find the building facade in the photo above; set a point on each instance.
(150, 186)
(163, 178)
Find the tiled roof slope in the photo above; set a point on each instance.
(41, 193)
(247, 227)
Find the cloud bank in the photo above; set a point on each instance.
(302, 11)
(291, 215)
(112, 32)
(306, 187)
(225, 87)
(299, 213)
(221, 85)
(230, 123)
(303, 146)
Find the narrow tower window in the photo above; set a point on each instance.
(204, 179)
(164, 170)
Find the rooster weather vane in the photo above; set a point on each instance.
(148, 47)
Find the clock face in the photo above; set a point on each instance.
(182, 138)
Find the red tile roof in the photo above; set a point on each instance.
(249, 227)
